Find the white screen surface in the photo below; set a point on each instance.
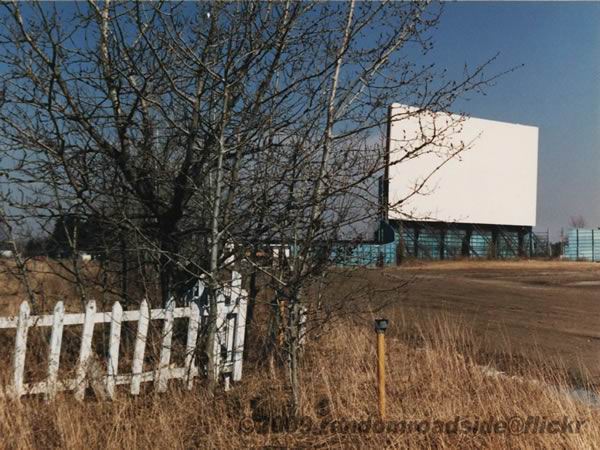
(492, 181)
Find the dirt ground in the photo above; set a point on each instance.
(543, 310)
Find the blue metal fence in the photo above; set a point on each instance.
(382, 253)
(396, 243)
(582, 244)
(365, 254)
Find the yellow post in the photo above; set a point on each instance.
(381, 372)
(380, 327)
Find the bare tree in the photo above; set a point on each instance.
(577, 221)
(192, 132)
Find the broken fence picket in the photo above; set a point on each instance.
(228, 347)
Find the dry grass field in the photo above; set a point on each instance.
(49, 282)
(536, 321)
(548, 312)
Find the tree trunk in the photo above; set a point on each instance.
(215, 254)
(293, 350)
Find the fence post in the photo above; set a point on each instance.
(442, 248)
(220, 318)
(190, 346)
(54, 351)
(577, 247)
(20, 350)
(113, 349)
(593, 253)
(86, 349)
(240, 332)
(230, 338)
(531, 243)
(137, 366)
(416, 241)
(240, 300)
(162, 377)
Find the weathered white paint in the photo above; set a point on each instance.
(137, 366)
(20, 349)
(493, 181)
(85, 351)
(231, 314)
(190, 346)
(165, 348)
(114, 344)
(221, 334)
(54, 350)
(239, 301)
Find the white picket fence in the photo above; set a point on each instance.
(228, 346)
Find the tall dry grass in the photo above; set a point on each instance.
(433, 377)
(50, 281)
(434, 373)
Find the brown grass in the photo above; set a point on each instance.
(430, 381)
(50, 282)
(462, 264)
(433, 373)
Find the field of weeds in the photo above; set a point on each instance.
(429, 384)
(441, 393)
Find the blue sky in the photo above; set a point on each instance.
(558, 90)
